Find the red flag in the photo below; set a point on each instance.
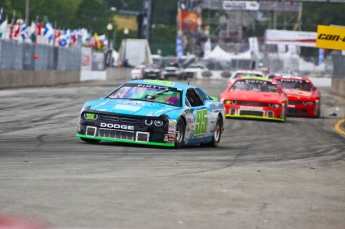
(16, 32)
(57, 37)
(39, 28)
(12, 25)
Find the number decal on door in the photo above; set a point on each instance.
(201, 122)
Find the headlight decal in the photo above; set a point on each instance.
(90, 116)
(158, 123)
(148, 122)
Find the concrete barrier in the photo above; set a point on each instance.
(114, 74)
(338, 87)
(321, 82)
(12, 79)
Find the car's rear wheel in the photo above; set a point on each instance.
(88, 140)
(180, 133)
(217, 134)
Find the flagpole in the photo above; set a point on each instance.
(27, 10)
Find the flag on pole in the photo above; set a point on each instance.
(39, 27)
(48, 31)
(33, 32)
(57, 37)
(1, 13)
(17, 30)
(24, 33)
(63, 39)
(3, 28)
(98, 44)
(12, 25)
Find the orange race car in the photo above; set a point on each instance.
(304, 98)
(254, 97)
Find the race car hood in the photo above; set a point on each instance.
(298, 94)
(130, 107)
(253, 96)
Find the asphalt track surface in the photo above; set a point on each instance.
(263, 174)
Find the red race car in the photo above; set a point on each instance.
(303, 97)
(254, 97)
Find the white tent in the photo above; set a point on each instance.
(137, 51)
(219, 54)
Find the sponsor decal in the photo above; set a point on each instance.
(126, 107)
(90, 116)
(167, 83)
(251, 108)
(216, 106)
(138, 103)
(201, 122)
(152, 86)
(117, 126)
(166, 137)
(241, 5)
(172, 122)
(330, 37)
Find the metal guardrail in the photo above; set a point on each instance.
(16, 55)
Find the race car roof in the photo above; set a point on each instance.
(163, 83)
(292, 78)
(255, 78)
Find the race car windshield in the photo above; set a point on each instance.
(255, 85)
(166, 95)
(295, 84)
(247, 74)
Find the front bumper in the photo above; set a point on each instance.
(127, 129)
(235, 111)
(301, 110)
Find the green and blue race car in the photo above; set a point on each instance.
(153, 112)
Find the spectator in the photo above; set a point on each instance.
(125, 63)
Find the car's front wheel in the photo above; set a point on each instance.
(180, 133)
(88, 140)
(217, 134)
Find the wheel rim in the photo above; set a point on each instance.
(179, 132)
(217, 132)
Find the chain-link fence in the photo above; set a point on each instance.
(21, 56)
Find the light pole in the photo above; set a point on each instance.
(124, 49)
(109, 51)
(109, 28)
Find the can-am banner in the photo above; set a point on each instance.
(331, 37)
(288, 37)
(241, 5)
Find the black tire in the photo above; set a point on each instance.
(88, 140)
(180, 133)
(217, 134)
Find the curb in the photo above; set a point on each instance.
(340, 126)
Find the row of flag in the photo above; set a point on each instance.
(39, 32)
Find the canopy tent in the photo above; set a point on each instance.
(219, 54)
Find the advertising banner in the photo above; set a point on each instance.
(241, 5)
(287, 37)
(179, 46)
(330, 37)
(86, 58)
(97, 61)
(189, 26)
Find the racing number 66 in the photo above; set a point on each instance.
(201, 122)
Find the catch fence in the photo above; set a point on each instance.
(16, 55)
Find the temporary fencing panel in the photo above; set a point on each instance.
(16, 55)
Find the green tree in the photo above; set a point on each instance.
(8, 9)
(93, 15)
